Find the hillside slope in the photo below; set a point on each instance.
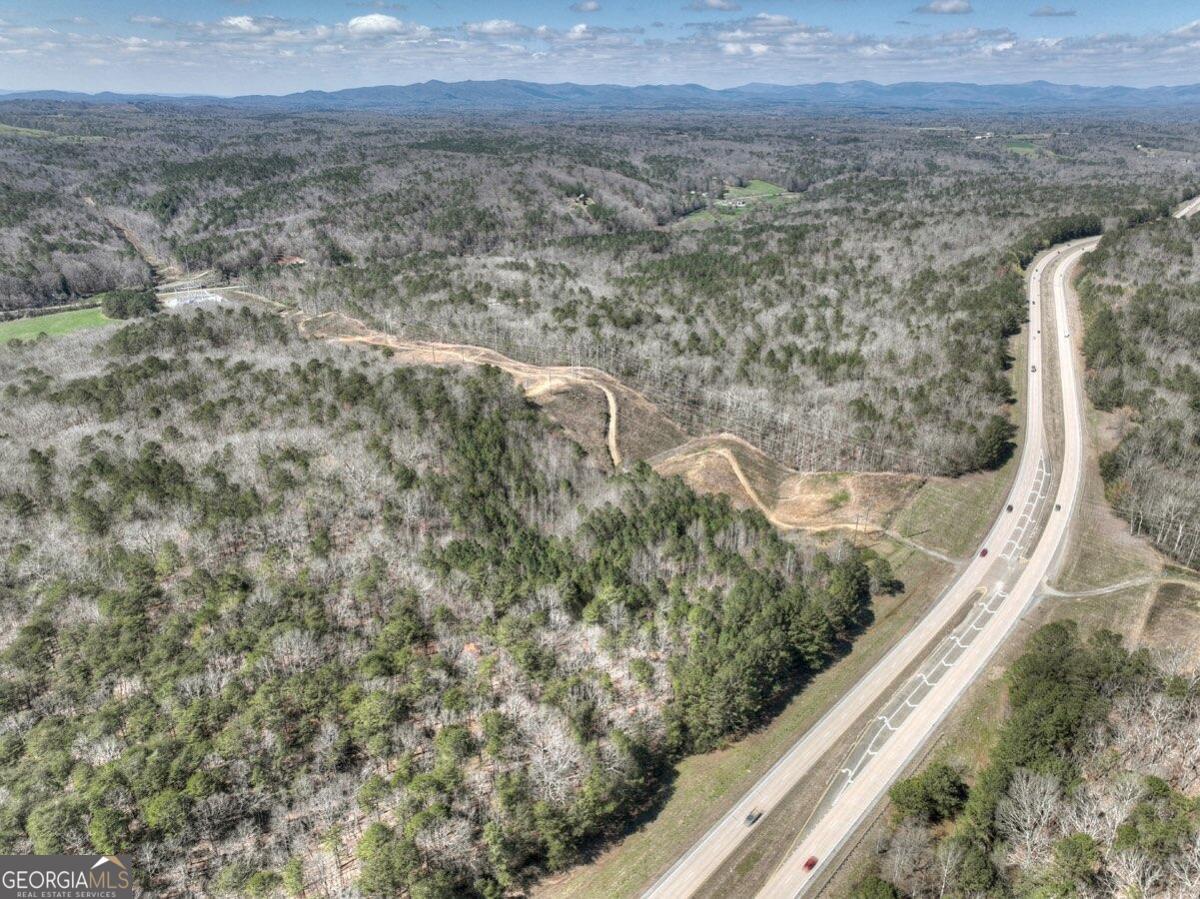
(284, 614)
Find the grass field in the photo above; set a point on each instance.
(754, 193)
(14, 131)
(58, 323)
(17, 131)
(755, 190)
(1023, 146)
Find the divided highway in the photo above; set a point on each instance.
(1011, 585)
(1022, 547)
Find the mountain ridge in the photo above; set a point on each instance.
(509, 94)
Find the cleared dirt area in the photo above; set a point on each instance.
(789, 499)
(582, 412)
(636, 429)
(620, 426)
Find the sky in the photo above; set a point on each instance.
(229, 47)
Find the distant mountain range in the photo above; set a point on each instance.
(505, 95)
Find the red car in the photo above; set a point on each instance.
(811, 863)
(982, 553)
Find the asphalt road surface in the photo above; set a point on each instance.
(1003, 582)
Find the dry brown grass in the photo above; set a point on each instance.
(1173, 620)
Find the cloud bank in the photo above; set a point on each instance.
(243, 53)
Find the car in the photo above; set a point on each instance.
(753, 817)
(1010, 507)
(810, 863)
(1057, 507)
(982, 553)
(1035, 368)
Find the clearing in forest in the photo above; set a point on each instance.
(619, 426)
(14, 131)
(725, 463)
(1027, 146)
(735, 201)
(56, 323)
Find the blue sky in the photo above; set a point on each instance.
(273, 46)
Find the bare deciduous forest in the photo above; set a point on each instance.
(782, 278)
(1089, 788)
(285, 617)
(281, 614)
(1142, 303)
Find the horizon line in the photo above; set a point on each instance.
(661, 84)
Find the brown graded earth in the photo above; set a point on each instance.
(619, 426)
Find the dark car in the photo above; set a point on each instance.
(1010, 507)
(982, 553)
(811, 863)
(753, 817)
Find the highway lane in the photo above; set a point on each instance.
(1010, 595)
(710, 853)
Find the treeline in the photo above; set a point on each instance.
(1046, 234)
(54, 249)
(129, 303)
(1141, 304)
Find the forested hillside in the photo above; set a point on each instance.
(1141, 301)
(286, 618)
(1089, 789)
(837, 290)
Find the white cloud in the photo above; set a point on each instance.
(244, 24)
(751, 49)
(497, 28)
(375, 23)
(585, 6)
(713, 6)
(945, 7)
(282, 55)
(1047, 11)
